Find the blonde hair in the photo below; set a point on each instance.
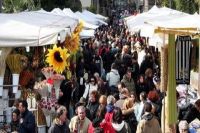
(103, 100)
(128, 103)
(60, 111)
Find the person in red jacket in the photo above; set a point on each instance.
(106, 124)
(95, 125)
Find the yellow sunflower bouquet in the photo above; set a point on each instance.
(79, 28)
(72, 42)
(58, 58)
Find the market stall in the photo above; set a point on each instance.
(165, 26)
(26, 40)
(187, 27)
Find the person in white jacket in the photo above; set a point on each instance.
(89, 87)
(113, 77)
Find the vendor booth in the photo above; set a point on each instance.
(175, 31)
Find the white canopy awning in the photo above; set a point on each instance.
(34, 28)
(97, 16)
(86, 25)
(142, 22)
(87, 34)
(90, 19)
(189, 21)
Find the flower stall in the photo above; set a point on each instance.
(35, 79)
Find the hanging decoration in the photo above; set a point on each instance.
(183, 59)
(16, 64)
(3, 55)
(58, 58)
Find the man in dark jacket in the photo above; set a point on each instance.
(193, 112)
(93, 104)
(59, 124)
(27, 119)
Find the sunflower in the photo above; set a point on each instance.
(72, 43)
(58, 58)
(79, 28)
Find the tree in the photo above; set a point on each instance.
(188, 6)
(198, 2)
(165, 3)
(49, 5)
(20, 5)
(92, 9)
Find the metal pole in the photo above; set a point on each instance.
(146, 5)
(170, 3)
(199, 64)
(199, 70)
(97, 5)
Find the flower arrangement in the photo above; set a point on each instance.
(57, 77)
(58, 58)
(42, 88)
(48, 105)
(16, 64)
(72, 42)
(57, 80)
(47, 72)
(79, 28)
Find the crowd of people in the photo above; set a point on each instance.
(115, 88)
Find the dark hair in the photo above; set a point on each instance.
(122, 84)
(92, 77)
(77, 105)
(17, 112)
(101, 111)
(117, 115)
(113, 66)
(135, 95)
(141, 75)
(24, 103)
(197, 103)
(144, 95)
(116, 96)
(147, 107)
